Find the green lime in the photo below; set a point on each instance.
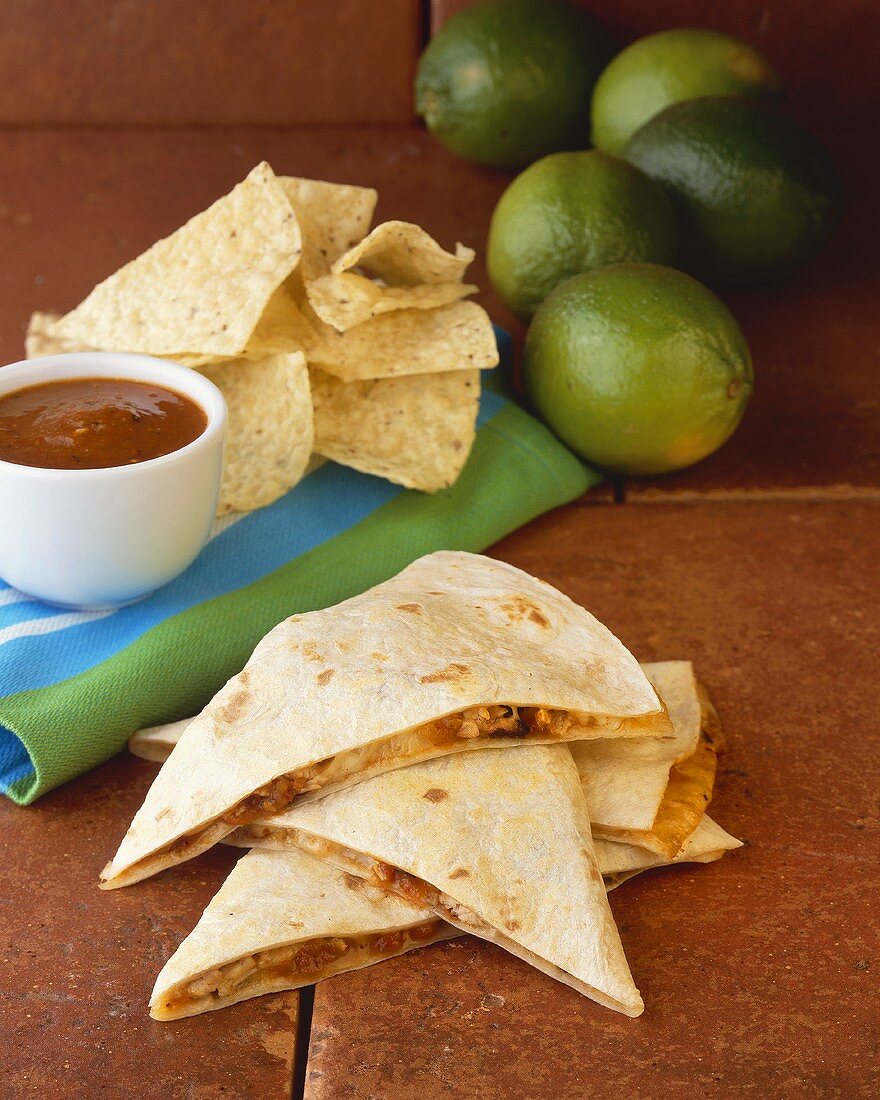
(755, 194)
(506, 81)
(638, 368)
(669, 67)
(571, 212)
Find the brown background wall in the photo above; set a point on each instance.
(314, 62)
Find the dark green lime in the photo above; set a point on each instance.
(506, 81)
(755, 194)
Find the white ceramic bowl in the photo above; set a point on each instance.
(94, 539)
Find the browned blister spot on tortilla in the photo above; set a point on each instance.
(448, 674)
(352, 881)
(326, 676)
(235, 707)
(511, 925)
(436, 794)
(518, 607)
(295, 923)
(413, 608)
(380, 656)
(311, 652)
(459, 872)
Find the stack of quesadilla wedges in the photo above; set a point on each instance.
(344, 755)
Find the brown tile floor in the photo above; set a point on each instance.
(78, 964)
(759, 972)
(770, 598)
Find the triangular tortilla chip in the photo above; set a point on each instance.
(652, 792)
(344, 301)
(416, 431)
(456, 652)
(497, 844)
(203, 289)
(333, 217)
(281, 921)
(270, 431)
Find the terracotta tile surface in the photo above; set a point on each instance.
(824, 53)
(169, 62)
(79, 963)
(759, 972)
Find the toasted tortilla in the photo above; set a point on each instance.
(270, 433)
(404, 672)
(281, 921)
(497, 844)
(333, 218)
(620, 862)
(416, 431)
(652, 792)
(203, 289)
(397, 266)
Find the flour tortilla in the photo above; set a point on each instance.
(652, 791)
(361, 687)
(277, 896)
(203, 289)
(277, 900)
(498, 844)
(706, 844)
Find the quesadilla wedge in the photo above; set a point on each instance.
(620, 862)
(496, 843)
(456, 652)
(283, 920)
(652, 792)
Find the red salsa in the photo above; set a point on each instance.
(93, 423)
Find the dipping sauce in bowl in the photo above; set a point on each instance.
(95, 423)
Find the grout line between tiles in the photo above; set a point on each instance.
(303, 1037)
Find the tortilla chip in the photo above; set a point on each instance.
(41, 339)
(403, 254)
(415, 431)
(203, 289)
(346, 300)
(269, 438)
(333, 217)
(458, 337)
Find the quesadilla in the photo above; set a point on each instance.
(496, 843)
(280, 921)
(619, 862)
(283, 920)
(456, 652)
(652, 792)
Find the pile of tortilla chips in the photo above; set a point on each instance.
(461, 749)
(325, 337)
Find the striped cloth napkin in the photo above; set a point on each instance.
(75, 685)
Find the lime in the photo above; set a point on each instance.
(669, 67)
(638, 368)
(571, 212)
(506, 81)
(755, 194)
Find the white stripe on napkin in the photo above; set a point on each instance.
(33, 627)
(12, 595)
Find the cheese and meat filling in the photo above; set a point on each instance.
(477, 723)
(292, 965)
